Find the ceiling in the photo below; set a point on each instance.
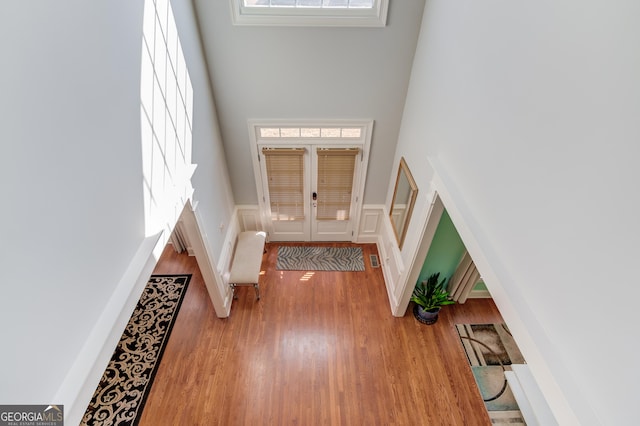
(309, 73)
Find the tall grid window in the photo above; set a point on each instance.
(166, 111)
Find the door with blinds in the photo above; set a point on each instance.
(333, 198)
(285, 180)
(309, 192)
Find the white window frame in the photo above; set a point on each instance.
(318, 17)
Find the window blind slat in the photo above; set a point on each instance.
(285, 176)
(336, 167)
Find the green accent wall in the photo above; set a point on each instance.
(445, 252)
(480, 286)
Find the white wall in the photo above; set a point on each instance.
(529, 112)
(72, 215)
(70, 170)
(211, 179)
(213, 196)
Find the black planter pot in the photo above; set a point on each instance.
(425, 317)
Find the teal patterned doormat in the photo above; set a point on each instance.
(314, 258)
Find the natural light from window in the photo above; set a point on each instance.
(328, 13)
(352, 4)
(310, 132)
(166, 106)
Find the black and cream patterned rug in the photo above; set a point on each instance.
(123, 389)
(315, 258)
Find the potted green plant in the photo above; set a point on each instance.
(429, 296)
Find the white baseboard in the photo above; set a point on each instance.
(479, 294)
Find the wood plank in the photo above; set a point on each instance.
(318, 348)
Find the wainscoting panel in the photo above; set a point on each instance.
(370, 224)
(395, 266)
(224, 263)
(249, 218)
(391, 260)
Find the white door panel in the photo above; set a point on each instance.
(289, 230)
(332, 230)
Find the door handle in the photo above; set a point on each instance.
(315, 196)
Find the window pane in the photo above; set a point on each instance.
(353, 4)
(361, 3)
(335, 3)
(340, 13)
(290, 133)
(351, 133)
(285, 176)
(286, 3)
(310, 132)
(309, 3)
(335, 182)
(330, 133)
(256, 3)
(266, 132)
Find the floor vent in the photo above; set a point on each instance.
(374, 261)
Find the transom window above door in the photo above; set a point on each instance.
(310, 132)
(342, 13)
(335, 132)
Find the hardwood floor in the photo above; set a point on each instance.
(318, 348)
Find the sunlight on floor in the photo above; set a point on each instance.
(307, 276)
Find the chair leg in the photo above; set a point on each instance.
(233, 291)
(235, 295)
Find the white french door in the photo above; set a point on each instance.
(310, 191)
(334, 197)
(310, 177)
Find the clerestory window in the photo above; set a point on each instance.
(342, 13)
